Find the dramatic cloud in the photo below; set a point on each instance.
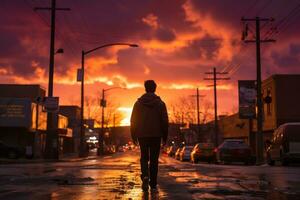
(178, 42)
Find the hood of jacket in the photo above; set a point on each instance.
(150, 100)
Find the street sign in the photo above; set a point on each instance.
(51, 104)
(247, 99)
(103, 103)
(79, 75)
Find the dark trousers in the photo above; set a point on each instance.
(150, 148)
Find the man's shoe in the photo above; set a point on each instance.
(145, 184)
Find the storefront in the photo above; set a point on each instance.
(23, 124)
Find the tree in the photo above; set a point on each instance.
(184, 110)
(93, 110)
(207, 111)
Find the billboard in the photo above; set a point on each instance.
(247, 99)
(15, 112)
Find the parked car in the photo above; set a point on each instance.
(121, 149)
(234, 150)
(9, 151)
(164, 150)
(203, 151)
(171, 151)
(177, 153)
(285, 144)
(185, 153)
(109, 149)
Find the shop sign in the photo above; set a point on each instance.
(247, 99)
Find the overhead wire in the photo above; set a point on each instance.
(60, 35)
(248, 10)
(282, 25)
(271, 32)
(265, 6)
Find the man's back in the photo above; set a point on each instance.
(149, 117)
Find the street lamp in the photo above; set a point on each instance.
(60, 50)
(83, 53)
(103, 105)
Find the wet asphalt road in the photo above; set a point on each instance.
(117, 177)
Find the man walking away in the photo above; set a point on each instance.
(149, 125)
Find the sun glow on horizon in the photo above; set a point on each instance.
(126, 111)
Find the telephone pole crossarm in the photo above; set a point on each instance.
(219, 79)
(46, 8)
(254, 19)
(216, 73)
(262, 41)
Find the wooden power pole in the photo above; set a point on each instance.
(257, 41)
(52, 145)
(215, 79)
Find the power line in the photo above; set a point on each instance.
(249, 9)
(271, 32)
(60, 35)
(263, 7)
(283, 23)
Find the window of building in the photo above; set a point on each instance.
(269, 104)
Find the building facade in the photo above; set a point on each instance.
(23, 122)
(73, 115)
(280, 105)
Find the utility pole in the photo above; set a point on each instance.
(52, 144)
(257, 41)
(198, 110)
(215, 79)
(114, 120)
(101, 134)
(182, 119)
(82, 148)
(198, 114)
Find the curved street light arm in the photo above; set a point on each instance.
(111, 44)
(117, 87)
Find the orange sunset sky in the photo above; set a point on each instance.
(178, 40)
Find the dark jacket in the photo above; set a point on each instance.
(149, 118)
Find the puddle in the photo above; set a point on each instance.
(72, 180)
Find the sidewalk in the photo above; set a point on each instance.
(63, 158)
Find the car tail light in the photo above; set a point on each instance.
(216, 150)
